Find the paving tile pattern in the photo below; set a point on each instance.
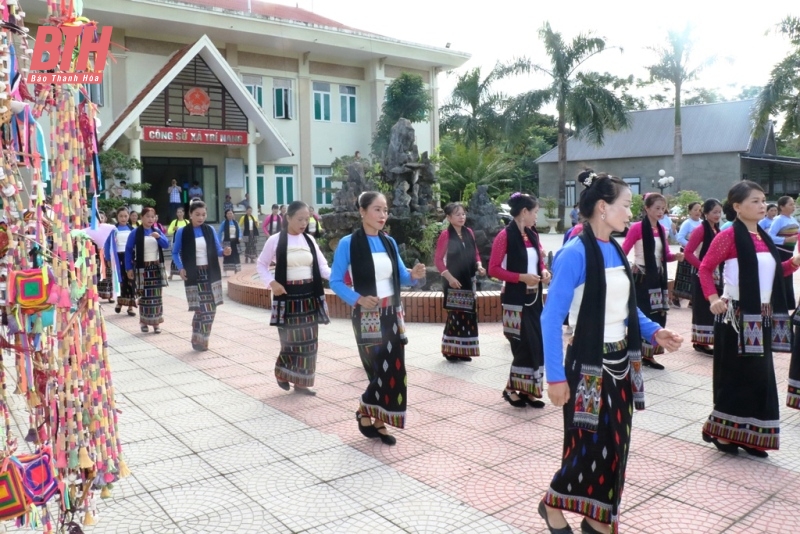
(215, 446)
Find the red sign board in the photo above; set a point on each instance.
(195, 136)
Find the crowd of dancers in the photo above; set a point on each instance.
(736, 279)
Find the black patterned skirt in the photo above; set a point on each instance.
(592, 474)
(105, 287)
(149, 283)
(684, 280)
(702, 318)
(127, 291)
(522, 326)
(656, 298)
(203, 300)
(232, 262)
(793, 396)
(460, 337)
(250, 242)
(297, 360)
(386, 395)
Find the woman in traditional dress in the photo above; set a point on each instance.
(196, 250)
(298, 298)
(601, 380)
(651, 253)
(144, 258)
(684, 276)
(752, 322)
(179, 222)
(119, 239)
(249, 226)
(230, 234)
(458, 261)
(134, 219)
(373, 263)
(518, 260)
(314, 227)
(273, 222)
(695, 251)
(784, 234)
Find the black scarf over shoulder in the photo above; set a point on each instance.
(653, 277)
(364, 268)
(708, 236)
(226, 235)
(252, 223)
(281, 261)
(189, 254)
(140, 248)
(461, 256)
(749, 288)
(517, 262)
(589, 329)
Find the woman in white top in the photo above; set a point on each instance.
(144, 260)
(119, 240)
(195, 252)
(298, 297)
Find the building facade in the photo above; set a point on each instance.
(247, 97)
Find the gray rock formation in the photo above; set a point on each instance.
(483, 219)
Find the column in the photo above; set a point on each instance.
(434, 121)
(305, 116)
(252, 162)
(135, 151)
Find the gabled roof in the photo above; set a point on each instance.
(706, 129)
(275, 148)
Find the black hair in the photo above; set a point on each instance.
(123, 182)
(738, 194)
(366, 198)
(709, 205)
(451, 208)
(771, 205)
(196, 205)
(148, 209)
(121, 209)
(601, 187)
(294, 207)
(652, 198)
(783, 200)
(521, 201)
(275, 207)
(226, 212)
(692, 205)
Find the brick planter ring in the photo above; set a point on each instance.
(420, 306)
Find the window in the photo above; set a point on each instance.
(255, 87)
(347, 95)
(284, 184)
(282, 98)
(259, 185)
(570, 194)
(96, 93)
(322, 186)
(635, 183)
(322, 101)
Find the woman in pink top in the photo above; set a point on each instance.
(648, 239)
(752, 322)
(458, 261)
(518, 260)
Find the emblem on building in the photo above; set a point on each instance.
(196, 101)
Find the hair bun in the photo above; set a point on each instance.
(587, 177)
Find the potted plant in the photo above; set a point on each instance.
(551, 211)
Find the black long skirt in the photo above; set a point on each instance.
(592, 474)
(659, 315)
(232, 262)
(527, 348)
(297, 360)
(793, 396)
(127, 292)
(702, 318)
(788, 281)
(460, 337)
(684, 280)
(746, 410)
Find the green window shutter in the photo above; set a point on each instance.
(279, 188)
(260, 98)
(289, 189)
(317, 106)
(352, 109)
(328, 195)
(327, 106)
(260, 185)
(278, 104)
(343, 101)
(318, 182)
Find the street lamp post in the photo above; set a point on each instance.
(663, 181)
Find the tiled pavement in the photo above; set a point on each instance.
(216, 447)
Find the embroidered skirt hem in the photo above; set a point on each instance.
(526, 374)
(203, 300)
(460, 338)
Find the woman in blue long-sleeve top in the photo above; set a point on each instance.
(144, 262)
(195, 253)
(601, 380)
(784, 230)
(371, 260)
(230, 234)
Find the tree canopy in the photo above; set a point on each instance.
(781, 94)
(406, 97)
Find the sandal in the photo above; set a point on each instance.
(117, 308)
(156, 329)
(144, 328)
(131, 312)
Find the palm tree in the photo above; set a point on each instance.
(582, 100)
(673, 67)
(462, 165)
(782, 92)
(473, 113)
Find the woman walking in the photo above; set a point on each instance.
(298, 298)
(229, 234)
(651, 254)
(784, 234)
(752, 322)
(701, 238)
(684, 276)
(601, 380)
(518, 260)
(372, 260)
(458, 261)
(196, 250)
(179, 222)
(119, 239)
(249, 227)
(144, 262)
(273, 222)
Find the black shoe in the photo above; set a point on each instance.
(519, 403)
(305, 391)
(450, 358)
(118, 308)
(368, 431)
(284, 385)
(386, 438)
(156, 329)
(543, 513)
(651, 362)
(586, 528)
(729, 448)
(532, 401)
(703, 349)
(144, 328)
(131, 312)
(758, 453)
